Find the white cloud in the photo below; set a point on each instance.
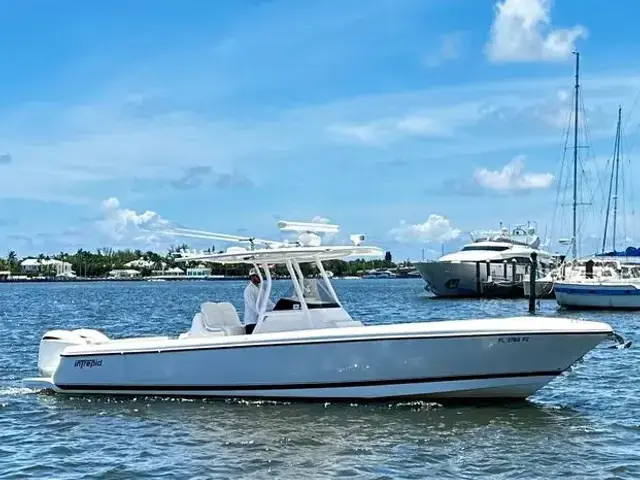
(522, 32)
(368, 134)
(389, 130)
(75, 154)
(436, 229)
(419, 125)
(512, 177)
(448, 50)
(127, 227)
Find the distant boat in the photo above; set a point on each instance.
(499, 252)
(610, 280)
(379, 274)
(603, 281)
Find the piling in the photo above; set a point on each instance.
(504, 270)
(588, 268)
(514, 263)
(478, 280)
(532, 283)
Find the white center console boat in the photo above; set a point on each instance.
(309, 347)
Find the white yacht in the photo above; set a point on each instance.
(501, 255)
(308, 347)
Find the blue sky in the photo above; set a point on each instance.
(411, 121)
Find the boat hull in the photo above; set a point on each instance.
(544, 288)
(453, 279)
(367, 363)
(495, 388)
(599, 296)
(446, 279)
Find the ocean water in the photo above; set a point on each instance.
(585, 424)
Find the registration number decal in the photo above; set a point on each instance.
(513, 339)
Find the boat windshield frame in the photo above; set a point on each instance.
(300, 284)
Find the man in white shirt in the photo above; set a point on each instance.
(251, 292)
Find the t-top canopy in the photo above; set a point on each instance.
(283, 254)
(306, 249)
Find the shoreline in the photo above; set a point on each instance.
(163, 280)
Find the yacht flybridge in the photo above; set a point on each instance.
(308, 346)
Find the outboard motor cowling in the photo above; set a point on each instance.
(54, 342)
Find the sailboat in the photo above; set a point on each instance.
(609, 280)
(546, 286)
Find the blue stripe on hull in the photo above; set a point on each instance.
(597, 291)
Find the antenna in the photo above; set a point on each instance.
(308, 231)
(311, 227)
(186, 232)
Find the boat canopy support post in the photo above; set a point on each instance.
(296, 284)
(300, 277)
(261, 292)
(265, 292)
(293, 266)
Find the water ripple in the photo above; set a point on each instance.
(583, 425)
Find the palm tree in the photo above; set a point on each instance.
(12, 260)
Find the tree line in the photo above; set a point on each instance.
(86, 263)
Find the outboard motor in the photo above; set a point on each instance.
(54, 342)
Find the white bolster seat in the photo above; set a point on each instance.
(215, 319)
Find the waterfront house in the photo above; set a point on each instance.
(199, 272)
(34, 266)
(30, 266)
(124, 273)
(173, 273)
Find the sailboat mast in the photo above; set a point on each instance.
(574, 246)
(614, 174)
(617, 167)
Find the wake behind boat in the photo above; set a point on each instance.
(308, 347)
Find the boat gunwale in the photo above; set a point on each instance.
(320, 341)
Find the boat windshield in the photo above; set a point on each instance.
(316, 295)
